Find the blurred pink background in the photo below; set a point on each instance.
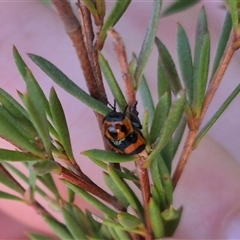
(209, 189)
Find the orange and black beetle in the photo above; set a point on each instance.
(124, 132)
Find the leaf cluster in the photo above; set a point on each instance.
(38, 129)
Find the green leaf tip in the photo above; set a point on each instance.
(168, 67)
(128, 221)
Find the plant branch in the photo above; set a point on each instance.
(120, 52)
(212, 88)
(74, 31)
(91, 188)
(145, 189)
(187, 149)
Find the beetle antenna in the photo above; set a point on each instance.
(112, 106)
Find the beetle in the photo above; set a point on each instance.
(123, 131)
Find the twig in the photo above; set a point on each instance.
(120, 52)
(212, 88)
(187, 149)
(145, 188)
(74, 31)
(91, 188)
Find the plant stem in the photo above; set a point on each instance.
(120, 52)
(91, 188)
(212, 88)
(145, 189)
(187, 149)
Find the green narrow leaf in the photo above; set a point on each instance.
(185, 61)
(113, 233)
(9, 132)
(47, 166)
(107, 156)
(37, 236)
(201, 77)
(71, 196)
(159, 117)
(12, 105)
(156, 177)
(18, 113)
(146, 98)
(60, 229)
(201, 30)
(117, 11)
(122, 234)
(168, 67)
(166, 179)
(223, 40)
(92, 200)
(15, 123)
(7, 180)
(95, 224)
(60, 123)
(171, 123)
(215, 117)
(156, 219)
(73, 226)
(115, 190)
(155, 195)
(8, 196)
(69, 86)
(23, 177)
(39, 119)
(82, 220)
(16, 156)
(178, 6)
(48, 181)
(126, 190)
(199, 53)
(127, 175)
(148, 41)
(129, 221)
(234, 13)
(32, 178)
(179, 134)
(112, 82)
(167, 154)
(162, 83)
(145, 128)
(32, 85)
